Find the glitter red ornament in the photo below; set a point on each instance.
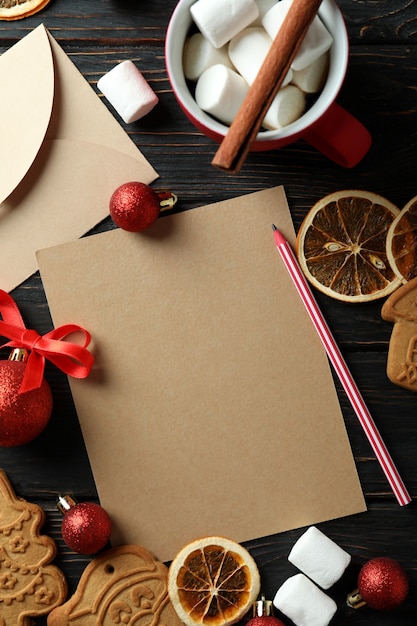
(263, 614)
(86, 527)
(382, 584)
(25, 397)
(23, 416)
(135, 206)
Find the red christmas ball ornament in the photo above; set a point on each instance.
(263, 614)
(23, 416)
(86, 527)
(135, 206)
(382, 584)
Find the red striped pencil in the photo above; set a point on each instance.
(341, 368)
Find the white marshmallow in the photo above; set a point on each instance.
(320, 558)
(263, 7)
(247, 51)
(219, 21)
(313, 77)
(199, 54)
(304, 603)
(315, 43)
(274, 17)
(128, 91)
(287, 106)
(220, 91)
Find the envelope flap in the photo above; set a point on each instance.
(78, 112)
(27, 78)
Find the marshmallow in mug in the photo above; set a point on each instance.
(220, 92)
(247, 51)
(304, 603)
(312, 78)
(128, 91)
(220, 20)
(288, 105)
(199, 54)
(263, 7)
(316, 42)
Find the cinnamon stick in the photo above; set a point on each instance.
(235, 146)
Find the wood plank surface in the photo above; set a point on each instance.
(381, 90)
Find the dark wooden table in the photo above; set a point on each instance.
(380, 89)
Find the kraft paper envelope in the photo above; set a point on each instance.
(212, 408)
(62, 154)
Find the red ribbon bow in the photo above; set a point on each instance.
(71, 358)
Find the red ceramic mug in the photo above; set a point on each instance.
(325, 125)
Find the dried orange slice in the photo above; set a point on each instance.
(402, 242)
(341, 246)
(213, 581)
(17, 9)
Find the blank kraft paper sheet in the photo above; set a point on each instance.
(211, 408)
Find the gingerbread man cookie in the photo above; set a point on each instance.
(29, 586)
(401, 308)
(123, 585)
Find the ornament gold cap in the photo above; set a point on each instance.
(65, 503)
(167, 199)
(19, 354)
(263, 607)
(354, 600)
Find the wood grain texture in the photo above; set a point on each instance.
(380, 89)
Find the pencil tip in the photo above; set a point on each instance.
(274, 227)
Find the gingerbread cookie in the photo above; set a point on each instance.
(401, 308)
(29, 586)
(119, 586)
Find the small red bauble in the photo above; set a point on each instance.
(265, 620)
(135, 206)
(86, 527)
(23, 416)
(382, 584)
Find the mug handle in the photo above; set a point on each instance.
(339, 136)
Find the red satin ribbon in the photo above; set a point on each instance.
(71, 358)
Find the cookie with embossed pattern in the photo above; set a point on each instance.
(29, 585)
(123, 585)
